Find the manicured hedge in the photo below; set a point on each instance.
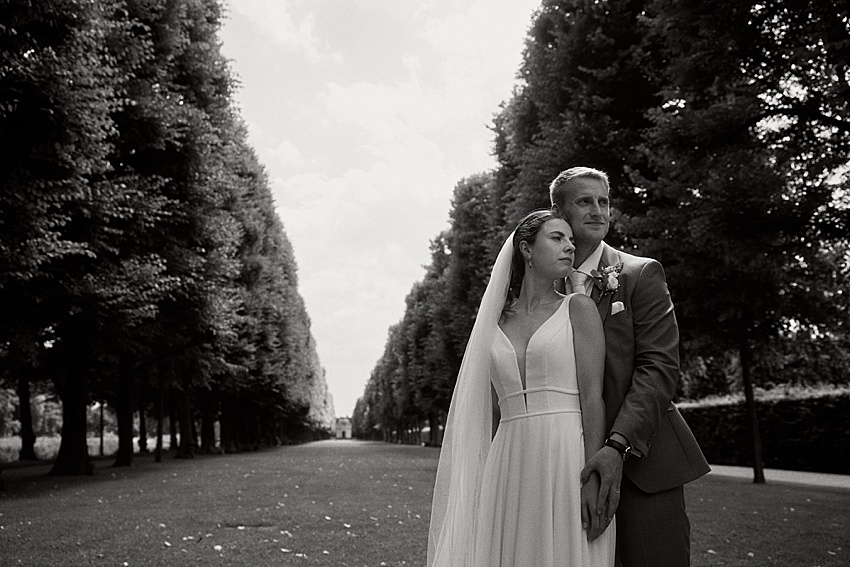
(800, 430)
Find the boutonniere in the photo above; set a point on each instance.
(608, 280)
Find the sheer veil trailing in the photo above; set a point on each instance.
(468, 431)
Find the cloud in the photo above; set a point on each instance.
(380, 109)
(276, 18)
(400, 197)
(361, 240)
(287, 155)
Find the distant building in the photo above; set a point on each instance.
(343, 428)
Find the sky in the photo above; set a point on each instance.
(366, 114)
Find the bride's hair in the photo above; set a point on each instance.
(526, 230)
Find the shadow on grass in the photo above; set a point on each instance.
(32, 478)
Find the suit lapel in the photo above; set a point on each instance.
(609, 258)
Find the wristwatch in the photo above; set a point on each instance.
(619, 447)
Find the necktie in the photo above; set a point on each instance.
(579, 282)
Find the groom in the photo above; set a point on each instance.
(650, 452)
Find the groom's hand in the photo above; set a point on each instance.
(590, 520)
(608, 463)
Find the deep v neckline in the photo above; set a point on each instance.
(522, 372)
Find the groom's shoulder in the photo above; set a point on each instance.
(632, 260)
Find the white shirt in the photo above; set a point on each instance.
(592, 261)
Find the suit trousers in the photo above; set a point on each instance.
(653, 530)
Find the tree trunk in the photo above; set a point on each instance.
(159, 418)
(269, 428)
(230, 423)
(186, 450)
(434, 425)
(143, 420)
(25, 413)
(196, 445)
(208, 415)
(73, 456)
(172, 423)
(101, 430)
(758, 463)
(247, 425)
(124, 414)
(224, 422)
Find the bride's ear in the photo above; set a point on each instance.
(525, 250)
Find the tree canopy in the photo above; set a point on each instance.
(142, 257)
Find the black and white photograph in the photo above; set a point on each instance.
(410, 283)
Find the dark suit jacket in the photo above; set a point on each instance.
(641, 373)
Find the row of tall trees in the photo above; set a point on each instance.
(724, 129)
(143, 262)
(412, 382)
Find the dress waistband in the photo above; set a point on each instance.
(543, 400)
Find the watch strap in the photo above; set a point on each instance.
(619, 447)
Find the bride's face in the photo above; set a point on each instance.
(553, 249)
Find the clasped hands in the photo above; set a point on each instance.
(600, 491)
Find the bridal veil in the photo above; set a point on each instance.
(468, 432)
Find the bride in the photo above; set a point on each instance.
(517, 500)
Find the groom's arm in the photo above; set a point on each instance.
(653, 381)
(656, 370)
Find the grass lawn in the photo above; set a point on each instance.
(345, 503)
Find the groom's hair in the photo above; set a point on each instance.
(558, 187)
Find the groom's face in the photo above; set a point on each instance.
(587, 209)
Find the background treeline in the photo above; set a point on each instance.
(143, 264)
(804, 429)
(724, 129)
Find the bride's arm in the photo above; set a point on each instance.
(589, 341)
(589, 344)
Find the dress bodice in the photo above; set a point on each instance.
(550, 370)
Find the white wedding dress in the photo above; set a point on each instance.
(529, 503)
